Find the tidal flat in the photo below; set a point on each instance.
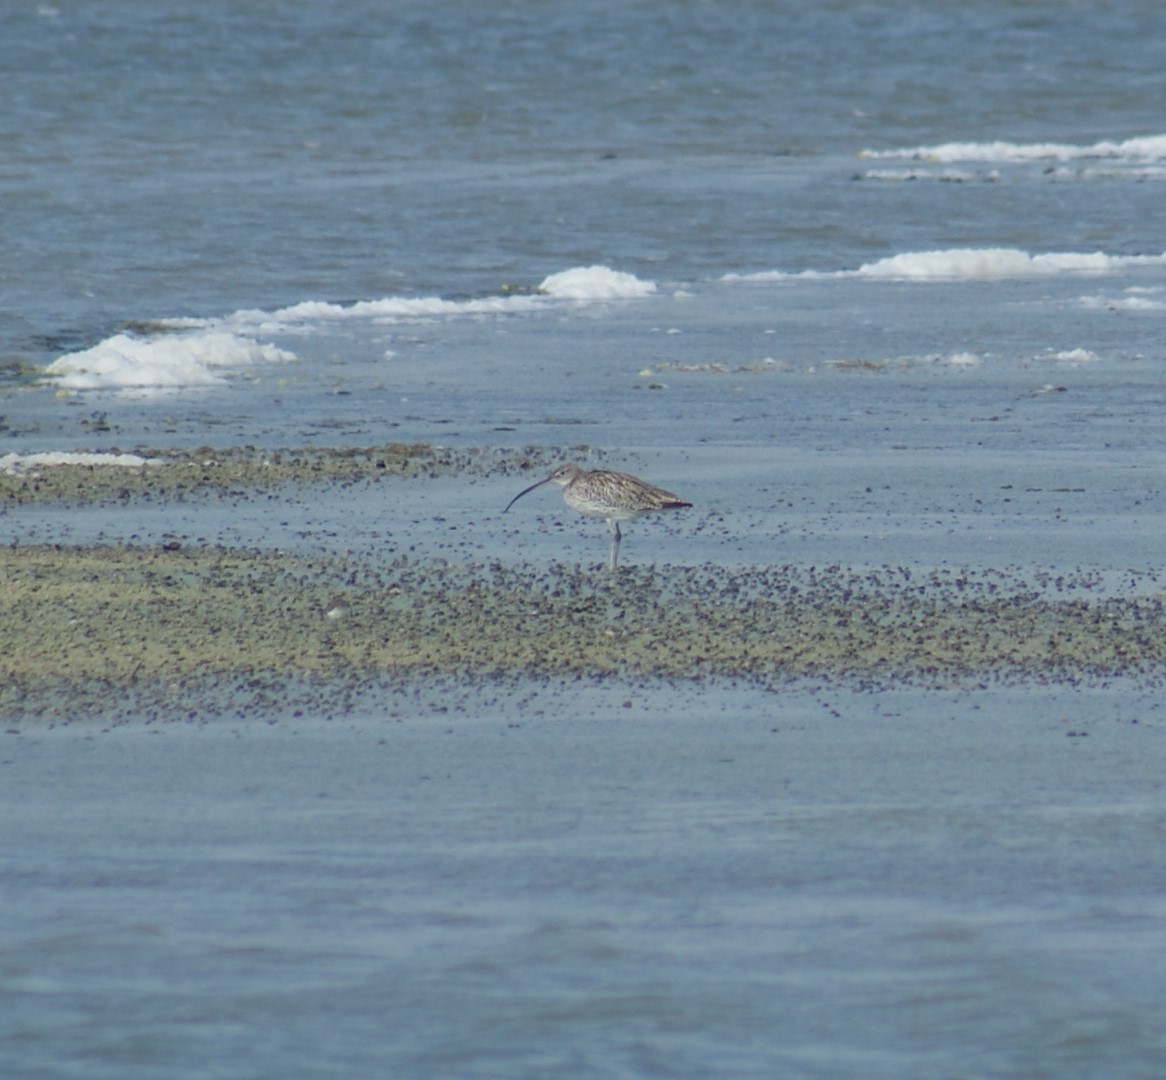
(172, 630)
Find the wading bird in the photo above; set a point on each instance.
(613, 496)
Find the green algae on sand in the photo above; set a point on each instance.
(96, 629)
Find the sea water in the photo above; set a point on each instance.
(868, 282)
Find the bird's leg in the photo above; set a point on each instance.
(615, 539)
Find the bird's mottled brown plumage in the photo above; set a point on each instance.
(613, 496)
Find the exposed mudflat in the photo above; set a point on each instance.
(177, 473)
(168, 632)
(153, 624)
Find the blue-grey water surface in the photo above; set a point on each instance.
(610, 880)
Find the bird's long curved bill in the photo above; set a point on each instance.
(527, 491)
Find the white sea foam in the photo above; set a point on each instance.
(1134, 299)
(204, 352)
(581, 284)
(17, 463)
(165, 362)
(1146, 148)
(310, 314)
(596, 283)
(1072, 356)
(972, 264)
(987, 264)
(587, 283)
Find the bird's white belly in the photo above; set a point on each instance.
(590, 508)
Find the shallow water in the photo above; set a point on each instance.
(823, 883)
(909, 283)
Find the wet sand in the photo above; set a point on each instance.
(175, 630)
(175, 473)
